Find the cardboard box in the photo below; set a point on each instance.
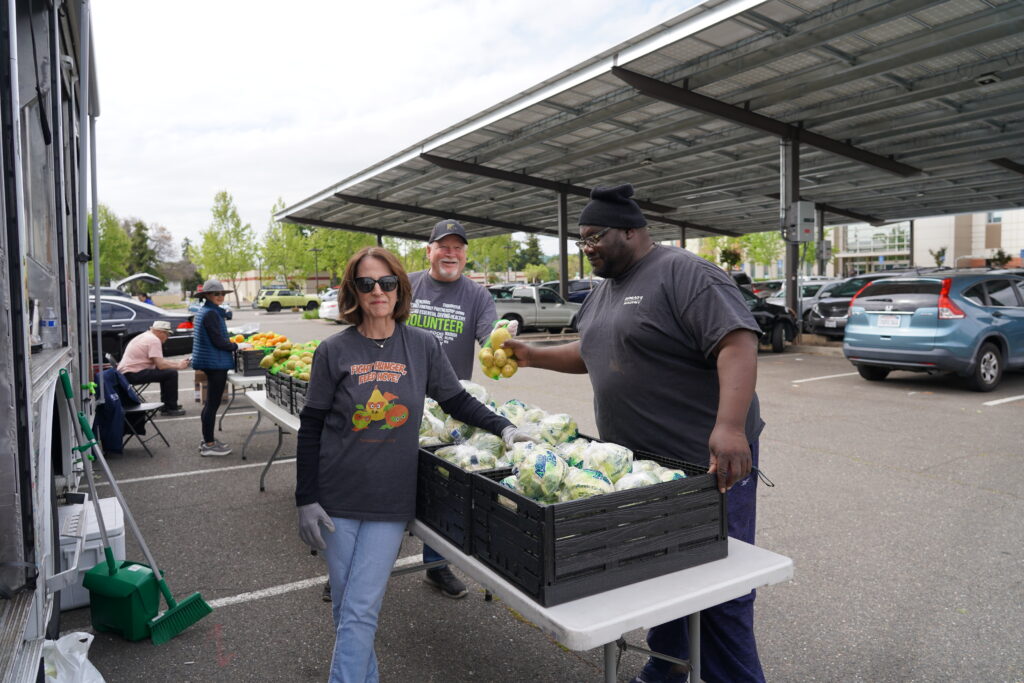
(200, 388)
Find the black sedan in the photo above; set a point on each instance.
(778, 324)
(578, 289)
(123, 319)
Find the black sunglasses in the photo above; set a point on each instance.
(388, 283)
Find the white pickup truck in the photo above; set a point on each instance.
(534, 307)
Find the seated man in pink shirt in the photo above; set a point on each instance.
(143, 362)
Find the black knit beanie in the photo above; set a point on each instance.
(611, 207)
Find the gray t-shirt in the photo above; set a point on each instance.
(456, 313)
(374, 397)
(646, 338)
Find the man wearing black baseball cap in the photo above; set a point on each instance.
(671, 350)
(458, 311)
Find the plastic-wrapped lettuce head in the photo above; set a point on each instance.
(610, 458)
(583, 483)
(572, 451)
(540, 473)
(475, 390)
(520, 450)
(488, 442)
(457, 430)
(509, 482)
(558, 428)
(433, 428)
(533, 416)
(671, 475)
(636, 480)
(434, 408)
(467, 457)
(514, 411)
(646, 466)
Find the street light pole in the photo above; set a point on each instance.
(508, 260)
(316, 268)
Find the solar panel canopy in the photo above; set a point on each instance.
(901, 109)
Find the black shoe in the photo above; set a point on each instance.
(442, 579)
(326, 597)
(172, 411)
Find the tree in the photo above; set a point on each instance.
(412, 254)
(1000, 259)
(163, 242)
(531, 253)
(537, 273)
(730, 256)
(492, 254)
(939, 255)
(763, 248)
(142, 256)
(340, 245)
(228, 248)
(284, 249)
(115, 246)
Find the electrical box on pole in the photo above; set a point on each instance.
(800, 222)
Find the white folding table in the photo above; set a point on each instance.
(601, 620)
(285, 423)
(246, 383)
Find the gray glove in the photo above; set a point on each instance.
(310, 518)
(511, 435)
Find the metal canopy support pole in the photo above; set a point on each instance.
(789, 192)
(819, 238)
(563, 238)
(682, 237)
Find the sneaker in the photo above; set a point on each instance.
(326, 596)
(217, 448)
(172, 411)
(442, 579)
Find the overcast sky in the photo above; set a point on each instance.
(274, 99)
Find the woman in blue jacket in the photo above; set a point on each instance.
(213, 353)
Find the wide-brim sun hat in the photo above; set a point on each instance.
(213, 286)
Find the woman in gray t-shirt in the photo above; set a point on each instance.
(358, 441)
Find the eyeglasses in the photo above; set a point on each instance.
(388, 283)
(592, 240)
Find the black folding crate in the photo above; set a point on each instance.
(299, 388)
(247, 362)
(563, 551)
(279, 389)
(444, 500)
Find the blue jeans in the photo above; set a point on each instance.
(430, 555)
(359, 556)
(727, 647)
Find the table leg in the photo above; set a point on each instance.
(263, 474)
(231, 401)
(694, 623)
(259, 416)
(611, 654)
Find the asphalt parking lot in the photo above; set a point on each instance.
(900, 503)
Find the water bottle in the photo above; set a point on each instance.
(50, 329)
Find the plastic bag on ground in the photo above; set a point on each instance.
(66, 660)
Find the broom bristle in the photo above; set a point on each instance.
(178, 618)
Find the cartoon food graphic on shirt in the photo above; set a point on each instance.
(380, 406)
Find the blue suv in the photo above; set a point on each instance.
(969, 323)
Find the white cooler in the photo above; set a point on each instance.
(76, 596)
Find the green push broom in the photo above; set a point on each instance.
(179, 615)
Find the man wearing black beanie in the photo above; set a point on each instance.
(671, 350)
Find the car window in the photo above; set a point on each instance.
(808, 290)
(897, 287)
(976, 294)
(548, 296)
(1001, 293)
(1019, 286)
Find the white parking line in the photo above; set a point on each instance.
(1003, 400)
(191, 473)
(295, 586)
(815, 379)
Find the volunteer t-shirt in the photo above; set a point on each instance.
(139, 352)
(647, 338)
(374, 397)
(457, 313)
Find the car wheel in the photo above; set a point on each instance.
(778, 338)
(274, 307)
(988, 369)
(312, 306)
(873, 373)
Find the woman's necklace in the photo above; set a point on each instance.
(380, 342)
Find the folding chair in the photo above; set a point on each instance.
(147, 411)
(139, 388)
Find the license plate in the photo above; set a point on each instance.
(888, 321)
(830, 323)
